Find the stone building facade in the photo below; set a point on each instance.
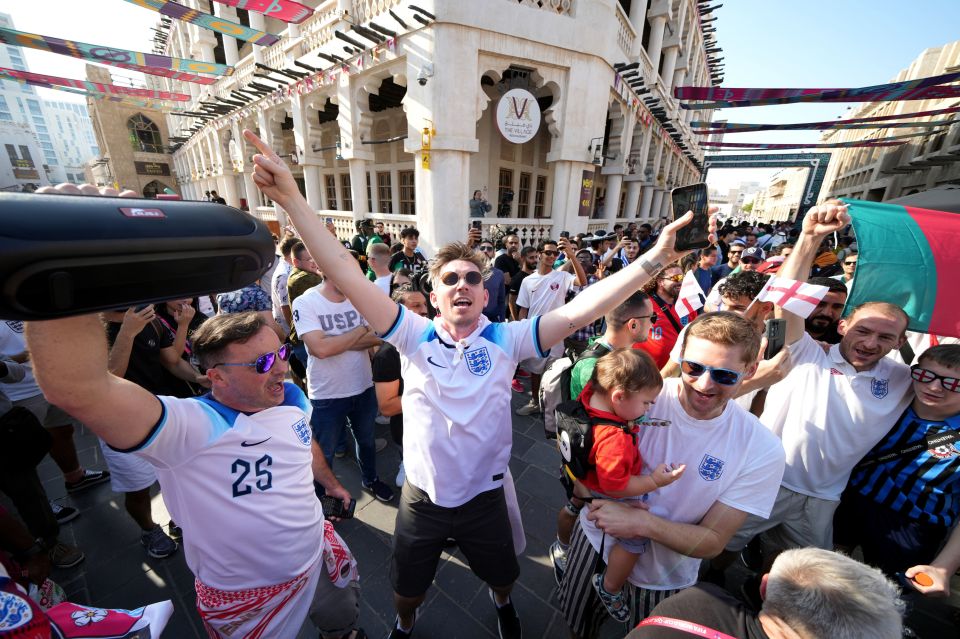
(927, 161)
(134, 144)
(404, 127)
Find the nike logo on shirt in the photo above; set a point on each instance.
(247, 444)
(430, 359)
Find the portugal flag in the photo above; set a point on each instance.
(909, 257)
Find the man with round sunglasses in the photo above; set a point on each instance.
(456, 401)
(734, 469)
(903, 498)
(239, 459)
(830, 409)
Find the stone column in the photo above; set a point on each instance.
(611, 204)
(657, 205)
(258, 23)
(358, 188)
(655, 46)
(638, 18)
(267, 134)
(230, 49)
(646, 202)
(633, 199)
(670, 63)
(303, 135)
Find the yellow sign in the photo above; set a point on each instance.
(425, 160)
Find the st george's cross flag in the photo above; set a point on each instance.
(799, 298)
(691, 296)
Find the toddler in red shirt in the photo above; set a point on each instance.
(624, 385)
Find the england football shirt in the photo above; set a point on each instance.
(241, 486)
(456, 402)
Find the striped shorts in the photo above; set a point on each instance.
(582, 609)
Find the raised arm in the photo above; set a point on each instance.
(70, 364)
(274, 179)
(602, 297)
(819, 222)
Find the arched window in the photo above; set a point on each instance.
(144, 135)
(151, 190)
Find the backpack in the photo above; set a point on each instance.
(555, 382)
(575, 436)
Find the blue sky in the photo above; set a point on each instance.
(816, 43)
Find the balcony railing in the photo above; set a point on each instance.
(364, 10)
(626, 34)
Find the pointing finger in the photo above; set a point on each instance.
(255, 140)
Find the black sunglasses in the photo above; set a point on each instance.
(854, 263)
(450, 278)
(486, 248)
(549, 253)
(652, 316)
(750, 260)
(265, 362)
(722, 376)
(925, 376)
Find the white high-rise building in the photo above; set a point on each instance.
(62, 129)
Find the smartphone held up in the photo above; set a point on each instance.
(696, 234)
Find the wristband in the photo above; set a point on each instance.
(650, 268)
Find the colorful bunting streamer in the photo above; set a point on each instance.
(39, 79)
(143, 104)
(285, 10)
(753, 128)
(782, 147)
(917, 89)
(733, 127)
(109, 55)
(207, 21)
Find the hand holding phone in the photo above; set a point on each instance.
(776, 334)
(333, 507)
(696, 234)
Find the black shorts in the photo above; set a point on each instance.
(890, 541)
(480, 527)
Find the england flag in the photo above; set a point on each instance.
(799, 298)
(691, 296)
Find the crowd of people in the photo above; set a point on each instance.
(700, 449)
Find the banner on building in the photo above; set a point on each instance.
(518, 116)
(286, 10)
(586, 193)
(39, 79)
(823, 126)
(730, 126)
(108, 55)
(729, 97)
(207, 21)
(892, 140)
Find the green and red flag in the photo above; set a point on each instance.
(909, 257)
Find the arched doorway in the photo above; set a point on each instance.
(151, 190)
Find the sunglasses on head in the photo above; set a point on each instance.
(450, 278)
(722, 376)
(925, 376)
(265, 362)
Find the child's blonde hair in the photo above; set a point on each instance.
(627, 369)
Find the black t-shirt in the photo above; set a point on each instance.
(507, 264)
(416, 263)
(707, 605)
(144, 368)
(386, 368)
(516, 281)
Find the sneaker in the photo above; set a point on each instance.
(379, 490)
(380, 443)
(517, 386)
(522, 373)
(174, 531)
(531, 408)
(559, 558)
(383, 420)
(397, 633)
(65, 556)
(63, 513)
(90, 478)
(508, 622)
(401, 476)
(157, 543)
(613, 602)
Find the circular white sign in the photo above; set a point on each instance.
(518, 116)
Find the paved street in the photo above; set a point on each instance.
(118, 574)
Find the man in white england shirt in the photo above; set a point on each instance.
(734, 468)
(540, 293)
(456, 401)
(831, 408)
